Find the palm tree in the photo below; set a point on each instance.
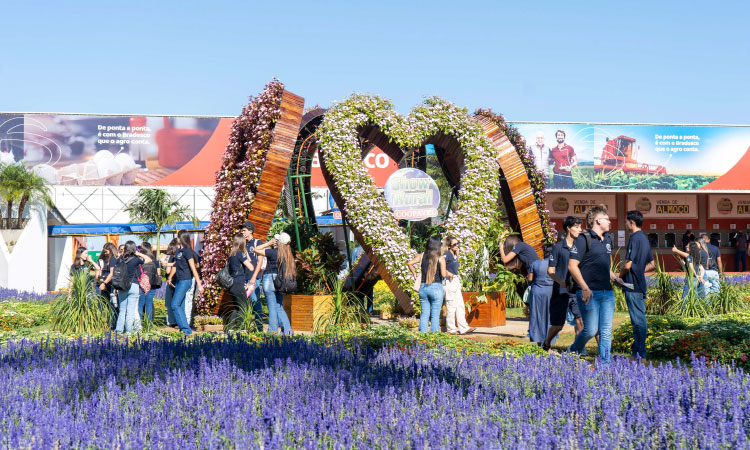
(33, 187)
(158, 207)
(11, 181)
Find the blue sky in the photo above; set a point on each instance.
(657, 62)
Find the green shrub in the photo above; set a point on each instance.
(342, 310)
(81, 310)
(18, 315)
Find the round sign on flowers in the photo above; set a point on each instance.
(412, 194)
(365, 208)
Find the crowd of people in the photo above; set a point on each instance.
(253, 265)
(573, 282)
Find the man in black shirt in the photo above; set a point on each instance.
(589, 267)
(558, 271)
(713, 264)
(638, 261)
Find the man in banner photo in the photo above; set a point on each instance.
(565, 159)
(542, 155)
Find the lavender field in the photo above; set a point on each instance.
(270, 393)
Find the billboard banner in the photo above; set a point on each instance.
(640, 157)
(95, 150)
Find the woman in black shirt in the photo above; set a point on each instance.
(238, 261)
(146, 299)
(455, 310)
(277, 259)
(128, 319)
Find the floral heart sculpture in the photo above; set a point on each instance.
(365, 208)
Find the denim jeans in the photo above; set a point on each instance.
(637, 308)
(712, 277)
(146, 302)
(431, 301)
(178, 305)
(597, 317)
(700, 288)
(254, 298)
(168, 295)
(275, 302)
(128, 319)
(741, 258)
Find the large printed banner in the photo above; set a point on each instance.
(116, 150)
(640, 157)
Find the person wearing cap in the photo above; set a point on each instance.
(253, 287)
(279, 258)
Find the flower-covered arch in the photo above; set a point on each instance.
(373, 119)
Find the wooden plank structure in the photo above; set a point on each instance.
(273, 176)
(515, 187)
(277, 163)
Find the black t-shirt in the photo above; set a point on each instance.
(526, 253)
(594, 263)
(558, 259)
(236, 267)
(182, 266)
(152, 270)
(133, 271)
(451, 263)
(425, 265)
(272, 257)
(639, 252)
(250, 245)
(713, 264)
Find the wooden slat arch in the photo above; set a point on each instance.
(515, 185)
(277, 163)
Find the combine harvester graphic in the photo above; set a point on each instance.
(619, 153)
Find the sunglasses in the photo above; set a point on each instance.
(454, 244)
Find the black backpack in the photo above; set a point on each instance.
(153, 274)
(121, 279)
(570, 283)
(223, 278)
(284, 285)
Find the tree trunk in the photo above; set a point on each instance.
(158, 246)
(7, 219)
(21, 206)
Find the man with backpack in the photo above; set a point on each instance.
(590, 269)
(253, 287)
(712, 264)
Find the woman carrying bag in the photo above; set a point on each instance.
(279, 263)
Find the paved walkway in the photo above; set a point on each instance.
(514, 327)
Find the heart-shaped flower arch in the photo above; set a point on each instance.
(366, 209)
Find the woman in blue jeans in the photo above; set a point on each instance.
(184, 272)
(279, 259)
(431, 293)
(128, 319)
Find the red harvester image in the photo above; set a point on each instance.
(619, 154)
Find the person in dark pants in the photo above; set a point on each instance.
(237, 262)
(638, 261)
(254, 278)
(561, 299)
(589, 267)
(741, 245)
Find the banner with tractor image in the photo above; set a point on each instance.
(640, 157)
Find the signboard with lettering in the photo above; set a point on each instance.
(412, 194)
(727, 206)
(664, 206)
(567, 204)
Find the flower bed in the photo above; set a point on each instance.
(723, 338)
(275, 393)
(25, 296)
(17, 315)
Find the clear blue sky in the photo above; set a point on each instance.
(601, 61)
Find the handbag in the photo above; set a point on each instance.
(224, 278)
(143, 281)
(527, 295)
(417, 284)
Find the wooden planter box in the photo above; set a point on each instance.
(303, 310)
(225, 306)
(490, 314)
(211, 327)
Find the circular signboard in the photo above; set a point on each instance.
(412, 194)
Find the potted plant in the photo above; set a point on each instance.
(208, 323)
(317, 266)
